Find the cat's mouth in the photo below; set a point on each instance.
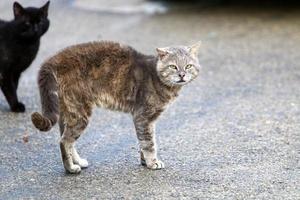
(181, 81)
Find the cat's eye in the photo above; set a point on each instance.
(189, 66)
(173, 67)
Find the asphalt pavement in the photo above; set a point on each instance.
(234, 133)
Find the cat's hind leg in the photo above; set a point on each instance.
(66, 154)
(83, 163)
(71, 160)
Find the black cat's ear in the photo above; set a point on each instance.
(44, 9)
(18, 10)
(162, 52)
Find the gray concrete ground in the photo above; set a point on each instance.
(232, 134)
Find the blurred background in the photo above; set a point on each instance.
(232, 134)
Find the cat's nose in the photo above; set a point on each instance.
(181, 74)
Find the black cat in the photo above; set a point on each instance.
(19, 44)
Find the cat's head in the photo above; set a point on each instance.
(178, 65)
(33, 22)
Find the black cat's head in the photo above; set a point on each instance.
(33, 22)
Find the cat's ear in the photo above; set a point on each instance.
(162, 52)
(18, 10)
(45, 8)
(194, 49)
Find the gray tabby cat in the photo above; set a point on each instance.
(115, 77)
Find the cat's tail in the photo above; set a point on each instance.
(49, 99)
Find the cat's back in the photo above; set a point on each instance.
(2, 22)
(100, 72)
(5, 38)
(3, 31)
(6, 31)
(94, 47)
(91, 55)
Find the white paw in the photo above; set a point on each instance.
(83, 163)
(74, 169)
(156, 164)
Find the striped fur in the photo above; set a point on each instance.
(112, 76)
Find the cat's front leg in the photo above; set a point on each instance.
(10, 92)
(146, 135)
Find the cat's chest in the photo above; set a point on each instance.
(27, 50)
(24, 54)
(161, 98)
